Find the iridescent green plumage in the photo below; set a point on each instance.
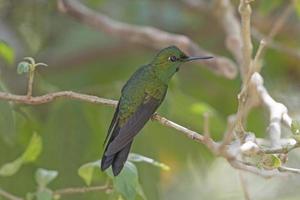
(140, 97)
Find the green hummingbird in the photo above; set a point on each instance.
(140, 97)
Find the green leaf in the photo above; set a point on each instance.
(44, 194)
(126, 183)
(23, 67)
(86, 171)
(297, 7)
(201, 108)
(43, 177)
(270, 161)
(33, 149)
(11, 168)
(7, 53)
(139, 158)
(31, 153)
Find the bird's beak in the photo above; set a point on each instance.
(197, 58)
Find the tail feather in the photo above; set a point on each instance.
(107, 160)
(116, 160)
(120, 159)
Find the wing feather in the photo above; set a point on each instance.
(112, 124)
(134, 124)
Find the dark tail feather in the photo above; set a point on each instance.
(106, 161)
(116, 160)
(120, 159)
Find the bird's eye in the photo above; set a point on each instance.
(172, 58)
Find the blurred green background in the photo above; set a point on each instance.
(85, 60)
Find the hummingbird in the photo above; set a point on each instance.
(140, 97)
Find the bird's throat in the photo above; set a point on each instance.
(166, 75)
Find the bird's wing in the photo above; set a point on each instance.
(134, 124)
(112, 124)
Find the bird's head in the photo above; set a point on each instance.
(168, 60)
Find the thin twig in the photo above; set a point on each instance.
(244, 103)
(289, 169)
(273, 32)
(253, 169)
(189, 133)
(245, 12)
(30, 83)
(281, 149)
(280, 21)
(229, 133)
(80, 190)
(92, 99)
(276, 45)
(244, 186)
(9, 196)
(52, 96)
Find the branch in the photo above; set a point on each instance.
(244, 186)
(245, 12)
(254, 170)
(225, 13)
(145, 35)
(92, 99)
(61, 192)
(52, 96)
(281, 149)
(213, 146)
(280, 21)
(81, 190)
(289, 169)
(277, 45)
(253, 88)
(277, 111)
(9, 196)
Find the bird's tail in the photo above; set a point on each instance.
(116, 160)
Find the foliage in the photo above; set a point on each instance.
(31, 153)
(125, 184)
(7, 53)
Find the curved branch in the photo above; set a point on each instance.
(93, 99)
(8, 195)
(52, 96)
(145, 35)
(61, 192)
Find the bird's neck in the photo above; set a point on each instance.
(165, 74)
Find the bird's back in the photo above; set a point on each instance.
(141, 85)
